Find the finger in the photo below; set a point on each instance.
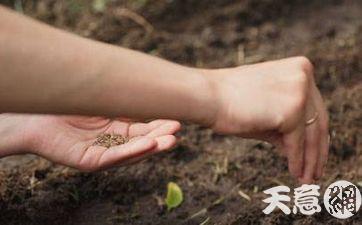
(324, 134)
(312, 141)
(164, 143)
(324, 150)
(311, 153)
(323, 129)
(96, 158)
(167, 128)
(293, 145)
(138, 129)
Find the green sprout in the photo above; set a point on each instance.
(174, 196)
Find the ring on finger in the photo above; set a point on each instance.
(313, 119)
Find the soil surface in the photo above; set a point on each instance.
(210, 169)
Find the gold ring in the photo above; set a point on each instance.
(312, 120)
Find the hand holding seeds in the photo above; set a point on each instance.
(88, 143)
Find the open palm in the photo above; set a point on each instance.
(69, 140)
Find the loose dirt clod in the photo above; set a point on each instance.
(108, 140)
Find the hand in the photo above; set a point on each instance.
(69, 140)
(272, 101)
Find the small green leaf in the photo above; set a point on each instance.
(174, 196)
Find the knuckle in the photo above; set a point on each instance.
(305, 64)
(293, 110)
(299, 100)
(300, 90)
(295, 102)
(301, 81)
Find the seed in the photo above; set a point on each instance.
(108, 140)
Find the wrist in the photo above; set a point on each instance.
(226, 87)
(207, 109)
(13, 138)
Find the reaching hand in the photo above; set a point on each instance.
(276, 101)
(69, 140)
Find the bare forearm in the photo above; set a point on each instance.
(167, 89)
(45, 70)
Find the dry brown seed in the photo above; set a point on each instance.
(108, 140)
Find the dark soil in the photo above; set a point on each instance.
(210, 169)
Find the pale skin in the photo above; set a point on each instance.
(44, 70)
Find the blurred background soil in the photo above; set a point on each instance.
(210, 169)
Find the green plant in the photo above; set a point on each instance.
(174, 196)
